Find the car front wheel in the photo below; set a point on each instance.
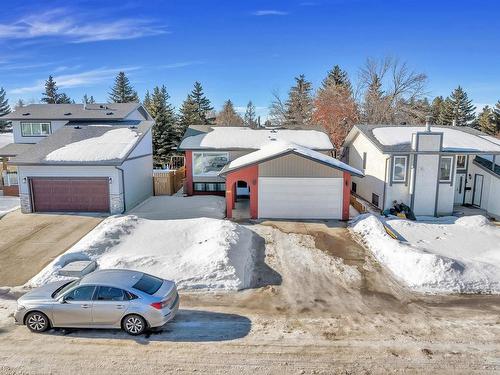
(37, 322)
(134, 325)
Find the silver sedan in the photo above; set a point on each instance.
(131, 300)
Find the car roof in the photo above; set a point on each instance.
(116, 278)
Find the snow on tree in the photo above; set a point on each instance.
(299, 106)
(250, 118)
(486, 121)
(4, 107)
(458, 109)
(122, 90)
(164, 130)
(228, 116)
(336, 110)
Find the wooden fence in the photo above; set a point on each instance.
(168, 182)
(360, 207)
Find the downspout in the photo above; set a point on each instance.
(385, 183)
(123, 187)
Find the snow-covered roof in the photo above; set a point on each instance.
(230, 138)
(391, 138)
(275, 149)
(92, 144)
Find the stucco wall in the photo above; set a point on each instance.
(138, 178)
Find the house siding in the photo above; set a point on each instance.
(296, 166)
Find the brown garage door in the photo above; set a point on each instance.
(70, 194)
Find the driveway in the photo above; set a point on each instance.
(28, 242)
(8, 204)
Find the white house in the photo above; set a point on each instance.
(429, 168)
(81, 158)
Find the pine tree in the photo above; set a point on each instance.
(64, 99)
(374, 110)
(228, 116)
(250, 118)
(19, 104)
(486, 121)
(147, 100)
(188, 115)
(299, 106)
(337, 77)
(437, 108)
(4, 107)
(164, 129)
(50, 96)
(496, 115)
(88, 100)
(458, 108)
(122, 91)
(202, 104)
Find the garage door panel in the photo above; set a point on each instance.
(300, 198)
(70, 194)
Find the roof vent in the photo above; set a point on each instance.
(67, 114)
(77, 127)
(26, 114)
(132, 127)
(428, 123)
(109, 113)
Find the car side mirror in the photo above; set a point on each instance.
(62, 300)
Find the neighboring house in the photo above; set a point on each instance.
(429, 168)
(81, 158)
(280, 173)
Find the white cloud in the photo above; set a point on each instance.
(181, 64)
(59, 23)
(269, 12)
(81, 79)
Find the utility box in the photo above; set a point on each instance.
(78, 269)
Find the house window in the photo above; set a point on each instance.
(35, 129)
(445, 168)
(461, 161)
(354, 187)
(209, 186)
(209, 163)
(375, 199)
(364, 160)
(399, 166)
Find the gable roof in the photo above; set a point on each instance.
(203, 137)
(276, 149)
(456, 139)
(92, 144)
(101, 112)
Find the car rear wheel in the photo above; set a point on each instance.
(37, 322)
(134, 325)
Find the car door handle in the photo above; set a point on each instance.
(85, 306)
(119, 307)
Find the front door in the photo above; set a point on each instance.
(75, 308)
(109, 306)
(478, 190)
(459, 188)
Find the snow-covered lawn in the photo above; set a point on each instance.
(8, 204)
(445, 255)
(198, 253)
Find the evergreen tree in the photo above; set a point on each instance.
(437, 108)
(164, 129)
(64, 99)
(122, 91)
(20, 104)
(250, 118)
(486, 121)
(496, 115)
(373, 104)
(202, 104)
(50, 96)
(458, 108)
(188, 115)
(299, 106)
(337, 77)
(88, 100)
(228, 116)
(147, 100)
(4, 108)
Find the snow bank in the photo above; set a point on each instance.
(441, 266)
(196, 253)
(114, 144)
(8, 204)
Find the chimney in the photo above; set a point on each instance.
(428, 123)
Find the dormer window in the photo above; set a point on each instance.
(35, 129)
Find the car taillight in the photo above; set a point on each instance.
(157, 305)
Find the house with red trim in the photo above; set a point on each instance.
(268, 173)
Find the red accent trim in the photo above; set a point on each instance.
(346, 196)
(188, 182)
(12, 190)
(251, 176)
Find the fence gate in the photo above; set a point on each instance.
(168, 182)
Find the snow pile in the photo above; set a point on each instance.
(196, 253)
(436, 257)
(8, 204)
(114, 144)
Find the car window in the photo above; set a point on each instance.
(82, 293)
(148, 284)
(107, 293)
(64, 288)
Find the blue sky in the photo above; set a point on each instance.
(243, 50)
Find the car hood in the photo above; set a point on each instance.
(42, 293)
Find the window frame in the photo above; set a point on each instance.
(378, 199)
(98, 289)
(31, 123)
(451, 169)
(405, 172)
(203, 153)
(221, 187)
(92, 297)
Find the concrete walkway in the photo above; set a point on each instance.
(28, 242)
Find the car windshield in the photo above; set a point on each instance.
(148, 284)
(64, 288)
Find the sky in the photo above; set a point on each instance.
(243, 50)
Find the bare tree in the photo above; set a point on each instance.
(277, 110)
(390, 89)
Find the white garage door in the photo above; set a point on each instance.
(300, 198)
